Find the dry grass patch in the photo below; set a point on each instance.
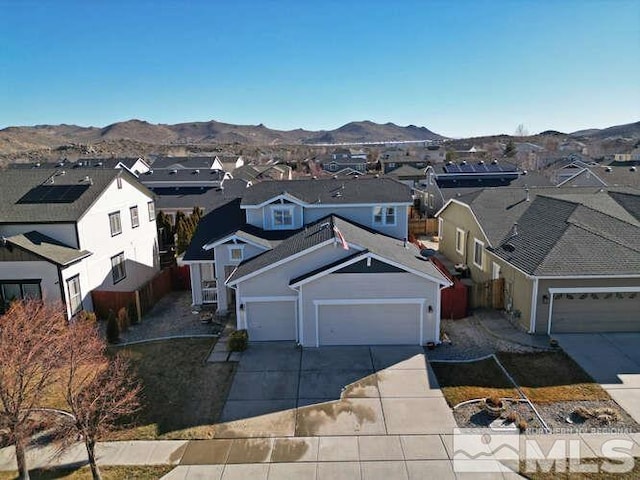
(182, 396)
(551, 377)
(465, 381)
(108, 473)
(633, 474)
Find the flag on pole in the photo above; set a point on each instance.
(344, 243)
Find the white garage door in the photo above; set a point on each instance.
(271, 320)
(600, 312)
(367, 324)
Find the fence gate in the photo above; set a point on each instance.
(488, 294)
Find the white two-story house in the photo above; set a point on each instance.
(320, 262)
(68, 232)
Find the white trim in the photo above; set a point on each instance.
(283, 298)
(367, 255)
(283, 196)
(300, 317)
(553, 291)
(494, 269)
(453, 200)
(372, 301)
(280, 262)
(473, 256)
(233, 237)
(581, 277)
(383, 214)
(585, 169)
(437, 309)
(236, 246)
(534, 306)
(462, 234)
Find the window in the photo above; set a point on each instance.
(282, 217)
(236, 253)
(478, 253)
(115, 224)
(459, 241)
(333, 167)
(135, 220)
(152, 211)
(432, 200)
(20, 290)
(75, 297)
(384, 215)
(391, 165)
(118, 272)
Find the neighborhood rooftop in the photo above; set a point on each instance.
(51, 195)
(331, 191)
(45, 247)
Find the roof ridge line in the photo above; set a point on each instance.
(606, 237)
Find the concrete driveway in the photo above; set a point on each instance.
(613, 360)
(282, 391)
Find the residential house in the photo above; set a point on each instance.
(445, 181)
(569, 257)
(68, 232)
(183, 178)
(255, 173)
(319, 262)
(134, 165)
(228, 163)
(388, 164)
(345, 158)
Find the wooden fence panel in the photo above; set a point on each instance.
(423, 226)
(488, 294)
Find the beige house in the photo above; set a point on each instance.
(570, 257)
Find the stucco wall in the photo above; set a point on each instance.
(63, 232)
(46, 272)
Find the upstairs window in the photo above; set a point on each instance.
(460, 241)
(135, 219)
(236, 253)
(385, 216)
(118, 271)
(282, 217)
(478, 253)
(152, 211)
(115, 224)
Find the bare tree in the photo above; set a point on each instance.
(521, 131)
(30, 347)
(99, 391)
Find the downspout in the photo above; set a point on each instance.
(534, 307)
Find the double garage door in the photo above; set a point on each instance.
(369, 324)
(340, 324)
(596, 312)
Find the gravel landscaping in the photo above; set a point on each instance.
(473, 415)
(560, 417)
(171, 316)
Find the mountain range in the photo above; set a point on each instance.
(13, 139)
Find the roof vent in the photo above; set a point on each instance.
(335, 176)
(376, 176)
(99, 164)
(37, 164)
(513, 233)
(481, 162)
(463, 162)
(494, 162)
(196, 171)
(633, 168)
(607, 169)
(449, 164)
(508, 247)
(528, 199)
(88, 179)
(524, 172)
(314, 177)
(173, 172)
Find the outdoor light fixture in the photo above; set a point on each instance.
(242, 306)
(545, 298)
(430, 309)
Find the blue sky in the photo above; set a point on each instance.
(460, 68)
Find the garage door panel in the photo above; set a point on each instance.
(379, 324)
(591, 315)
(271, 320)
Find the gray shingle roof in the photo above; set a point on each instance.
(361, 237)
(182, 176)
(15, 184)
(209, 199)
(573, 235)
(331, 191)
(47, 248)
(182, 162)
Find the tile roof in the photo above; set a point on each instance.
(358, 236)
(47, 248)
(332, 191)
(18, 185)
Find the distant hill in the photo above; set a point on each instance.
(629, 130)
(17, 139)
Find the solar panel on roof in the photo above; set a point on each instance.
(494, 168)
(53, 194)
(453, 168)
(466, 168)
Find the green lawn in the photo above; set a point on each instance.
(108, 473)
(182, 396)
(467, 381)
(547, 377)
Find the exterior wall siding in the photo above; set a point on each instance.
(140, 244)
(363, 216)
(80, 269)
(44, 271)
